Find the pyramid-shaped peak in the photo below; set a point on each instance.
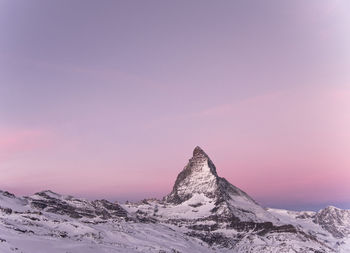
(199, 160)
(198, 176)
(198, 152)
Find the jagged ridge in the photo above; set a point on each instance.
(201, 205)
(200, 176)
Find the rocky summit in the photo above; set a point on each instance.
(203, 213)
(200, 178)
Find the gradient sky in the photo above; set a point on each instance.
(107, 99)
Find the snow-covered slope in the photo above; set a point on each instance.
(335, 220)
(200, 181)
(48, 222)
(208, 207)
(203, 213)
(330, 225)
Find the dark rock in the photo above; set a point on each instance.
(204, 227)
(8, 194)
(6, 210)
(336, 221)
(214, 239)
(77, 208)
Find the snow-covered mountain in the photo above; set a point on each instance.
(203, 213)
(198, 182)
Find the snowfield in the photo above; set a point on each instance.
(203, 213)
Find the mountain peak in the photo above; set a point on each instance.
(198, 176)
(200, 162)
(198, 152)
(199, 181)
(48, 194)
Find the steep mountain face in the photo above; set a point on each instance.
(208, 207)
(203, 213)
(335, 220)
(200, 179)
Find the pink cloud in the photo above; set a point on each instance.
(20, 140)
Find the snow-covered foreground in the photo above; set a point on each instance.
(69, 236)
(203, 213)
(24, 229)
(28, 230)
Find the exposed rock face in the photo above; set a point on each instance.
(200, 177)
(334, 220)
(7, 194)
(202, 206)
(76, 208)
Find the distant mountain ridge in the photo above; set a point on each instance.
(203, 213)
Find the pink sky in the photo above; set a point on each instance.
(108, 99)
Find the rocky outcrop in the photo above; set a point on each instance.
(202, 205)
(75, 208)
(335, 220)
(200, 177)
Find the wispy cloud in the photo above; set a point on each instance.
(14, 141)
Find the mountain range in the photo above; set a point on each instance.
(203, 213)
